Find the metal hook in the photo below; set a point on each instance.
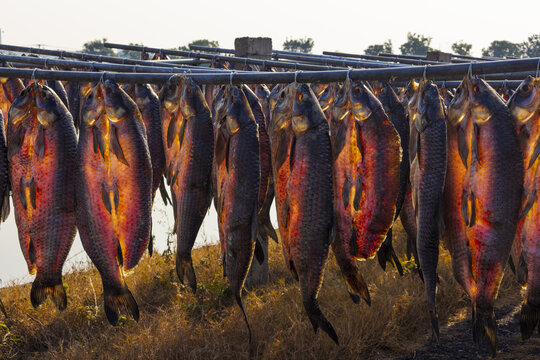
(469, 72)
(264, 65)
(102, 77)
(425, 71)
(45, 64)
(135, 68)
(443, 85)
(33, 77)
(230, 78)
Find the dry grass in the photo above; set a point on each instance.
(177, 324)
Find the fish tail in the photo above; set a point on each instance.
(3, 308)
(386, 254)
(485, 328)
(119, 300)
(184, 268)
(529, 319)
(238, 299)
(270, 231)
(318, 319)
(357, 288)
(151, 242)
(43, 289)
(164, 194)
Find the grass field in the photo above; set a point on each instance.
(178, 324)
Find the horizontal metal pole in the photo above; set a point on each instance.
(105, 66)
(211, 49)
(434, 72)
(232, 59)
(382, 58)
(342, 62)
(84, 56)
(512, 84)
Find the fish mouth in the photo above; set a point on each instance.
(526, 101)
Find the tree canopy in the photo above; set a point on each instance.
(416, 44)
(376, 49)
(200, 42)
(503, 48)
(304, 45)
(531, 47)
(96, 47)
(461, 48)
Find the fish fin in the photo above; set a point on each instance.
(346, 191)
(472, 219)
(465, 207)
(105, 198)
(529, 319)
(41, 290)
(522, 273)
(119, 255)
(22, 194)
(474, 145)
(357, 287)
(485, 328)
(39, 144)
(462, 146)
(357, 194)
(535, 153)
(511, 264)
(184, 268)
(5, 209)
(530, 199)
(282, 151)
(33, 192)
(171, 131)
(339, 137)
(15, 142)
(220, 147)
(269, 229)
(386, 254)
(116, 196)
(413, 143)
(359, 144)
(150, 242)
(174, 178)
(434, 325)
(291, 152)
(227, 152)
(285, 213)
(182, 132)
(318, 319)
(163, 191)
(353, 245)
(259, 252)
(116, 301)
(175, 210)
(116, 147)
(239, 302)
(98, 141)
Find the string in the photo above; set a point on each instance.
(33, 77)
(230, 78)
(425, 71)
(295, 75)
(348, 75)
(102, 77)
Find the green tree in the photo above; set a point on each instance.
(376, 49)
(304, 45)
(96, 47)
(461, 48)
(200, 42)
(503, 48)
(531, 47)
(131, 54)
(416, 44)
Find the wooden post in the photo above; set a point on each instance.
(259, 48)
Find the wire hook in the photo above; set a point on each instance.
(45, 64)
(135, 68)
(296, 75)
(425, 71)
(469, 72)
(264, 65)
(61, 54)
(231, 74)
(348, 75)
(102, 77)
(33, 77)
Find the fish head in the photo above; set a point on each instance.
(306, 111)
(363, 102)
(191, 97)
(318, 88)
(93, 105)
(263, 93)
(429, 105)
(170, 95)
(342, 104)
(484, 100)
(328, 96)
(48, 106)
(142, 94)
(459, 106)
(274, 96)
(23, 106)
(384, 92)
(525, 102)
(114, 101)
(239, 113)
(219, 106)
(282, 110)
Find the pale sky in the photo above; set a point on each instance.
(348, 26)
